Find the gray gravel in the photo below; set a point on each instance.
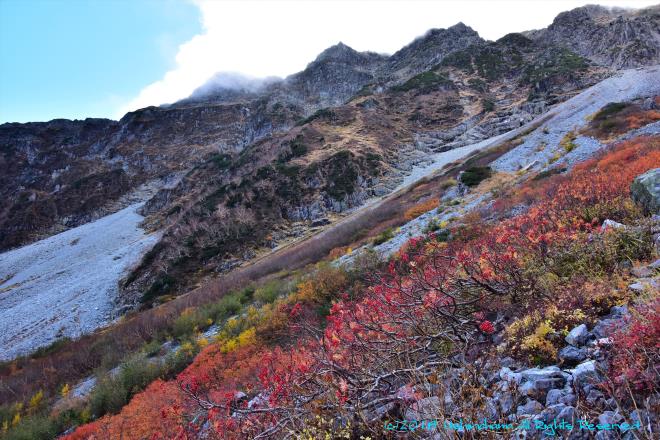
(65, 285)
(543, 143)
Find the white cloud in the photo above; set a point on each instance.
(279, 37)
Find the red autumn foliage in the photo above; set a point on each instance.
(487, 327)
(636, 351)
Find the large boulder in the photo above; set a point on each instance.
(570, 355)
(538, 381)
(585, 373)
(645, 190)
(578, 336)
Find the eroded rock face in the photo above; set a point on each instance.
(613, 37)
(645, 190)
(429, 50)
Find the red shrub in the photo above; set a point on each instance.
(636, 351)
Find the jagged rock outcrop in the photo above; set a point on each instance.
(337, 74)
(59, 174)
(613, 37)
(428, 50)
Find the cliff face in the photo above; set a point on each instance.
(60, 174)
(238, 206)
(615, 38)
(429, 50)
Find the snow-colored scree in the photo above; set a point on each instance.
(65, 285)
(543, 143)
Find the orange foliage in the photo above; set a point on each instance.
(337, 252)
(421, 208)
(141, 418)
(641, 119)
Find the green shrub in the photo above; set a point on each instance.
(423, 83)
(610, 110)
(602, 255)
(152, 348)
(149, 257)
(446, 184)
(34, 427)
(297, 148)
(221, 160)
(324, 114)
(162, 285)
(548, 173)
(52, 348)
(563, 62)
(461, 59)
(269, 292)
(442, 235)
(477, 84)
(568, 141)
(111, 393)
(108, 396)
(342, 174)
(177, 361)
(384, 236)
(229, 305)
(432, 226)
(475, 175)
(186, 324)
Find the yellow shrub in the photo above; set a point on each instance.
(36, 400)
(65, 390)
(568, 141)
(537, 345)
(247, 337)
(529, 336)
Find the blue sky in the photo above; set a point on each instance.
(74, 58)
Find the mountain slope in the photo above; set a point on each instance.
(52, 167)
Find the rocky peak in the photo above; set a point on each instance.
(612, 37)
(429, 49)
(229, 87)
(338, 53)
(332, 78)
(585, 13)
(346, 57)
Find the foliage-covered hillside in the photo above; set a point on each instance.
(391, 339)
